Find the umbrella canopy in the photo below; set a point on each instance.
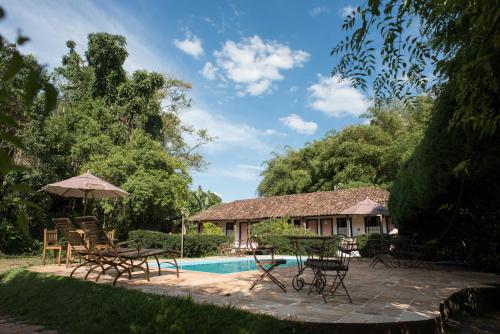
(86, 186)
(366, 207)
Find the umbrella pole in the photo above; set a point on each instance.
(85, 204)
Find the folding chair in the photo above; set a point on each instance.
(266, 266)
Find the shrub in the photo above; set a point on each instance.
(195, 245)
(365, 242)
(212, 229)
(275, 227)
(12, 241)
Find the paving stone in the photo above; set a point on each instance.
(379, 294)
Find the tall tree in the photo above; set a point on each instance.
(449, 189)
(360, 155)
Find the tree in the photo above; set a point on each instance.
(200, 200)
(360, 155)
(449, 189)
(123, 127)
(23, 84)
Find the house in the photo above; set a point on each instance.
(349, 212)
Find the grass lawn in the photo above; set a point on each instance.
(8, 262)
(75, 306)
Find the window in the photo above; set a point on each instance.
(372, 224)
(296, 222)
(342, 228)
(229, 229)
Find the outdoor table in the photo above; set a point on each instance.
(297, 243)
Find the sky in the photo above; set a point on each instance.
(260, 69)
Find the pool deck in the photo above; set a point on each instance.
(379, 295)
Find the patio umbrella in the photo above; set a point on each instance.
(366, 207)
(85, 186)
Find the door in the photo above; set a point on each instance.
(243, 233)
(312, 224)
(326, 227)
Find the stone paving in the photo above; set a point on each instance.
(379, 294)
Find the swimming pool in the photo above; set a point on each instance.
(224, 266)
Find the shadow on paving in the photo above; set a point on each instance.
(465, 323)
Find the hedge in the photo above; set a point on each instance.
(195, 245)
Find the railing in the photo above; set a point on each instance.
(373, 229)
(343, 231)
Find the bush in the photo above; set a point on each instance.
(275, 227)
(212, 229)
(365, 242)
(12, 241)
(195, 245)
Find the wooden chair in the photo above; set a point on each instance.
(266, 266)
(50, 242)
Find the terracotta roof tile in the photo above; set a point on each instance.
(320, 203)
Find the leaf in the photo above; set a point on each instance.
(22, 223)
(12, 139)
(13, 67)
(8, 121)
(50, 97)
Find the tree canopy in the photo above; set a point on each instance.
(449, 189)
(124, 127)
(359, 155)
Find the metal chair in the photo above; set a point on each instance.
(266, 266)
(332, 260)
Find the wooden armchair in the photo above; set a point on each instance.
(50, 242)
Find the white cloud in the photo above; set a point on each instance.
(191, 45)
(347, 10)
(269, 132)
(253, 64)
(44, 19)
(251, 167)
(209, 71)
(295, 122)
(239, 172)
(230, 135)
(293, 89)
(318, 10)
(337, 99)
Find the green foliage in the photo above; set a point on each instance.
(195, 245)
(127, 311)
(276, 227)
(120, 126)
(439, 197)
(360, 155)
(23, 84)
(200, 200)
(459, 39)
(212, 229)
(448, 190)
(12, 241)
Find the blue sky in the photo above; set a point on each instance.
(259, 69)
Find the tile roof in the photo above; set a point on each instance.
(320, 203)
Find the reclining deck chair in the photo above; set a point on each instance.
(115, 255)
(266, 266)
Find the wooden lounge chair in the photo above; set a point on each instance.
(64, 225)
(332, 260)
(266, 266)
(116, 255)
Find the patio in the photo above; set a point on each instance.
(380, 294)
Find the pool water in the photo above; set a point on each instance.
(224, 266)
